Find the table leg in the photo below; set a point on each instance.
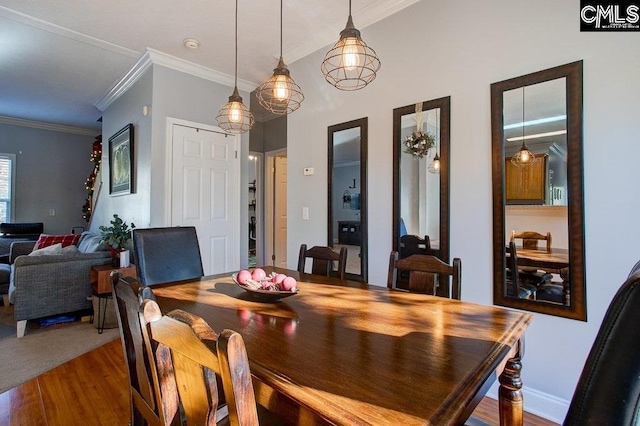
(510, 392)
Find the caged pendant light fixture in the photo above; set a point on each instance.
(524, 157)
(235, 117)
(280, 94)
(350, 64)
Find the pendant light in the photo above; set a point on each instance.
(350, 64)
(524, 157)
(280, 94)
(434, 167)
(235, 117)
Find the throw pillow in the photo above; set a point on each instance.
(48, 240)
(90, 243)
(48, 250)
(70, 249)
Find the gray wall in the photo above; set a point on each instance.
(463, 47)
(127, 109)
(170, 94)
(51, 168)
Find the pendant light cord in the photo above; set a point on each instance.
(349, 7)
(281, 28)
(522, 114)
(236, 78)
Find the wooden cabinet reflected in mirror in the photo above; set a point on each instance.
(421, 179)
(537, 192)
(347, 194)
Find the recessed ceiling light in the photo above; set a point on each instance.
(191, 43)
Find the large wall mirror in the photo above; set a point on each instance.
(421, 179)
(538, 227)
(347, 194)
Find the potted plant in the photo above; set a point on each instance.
(116, 236)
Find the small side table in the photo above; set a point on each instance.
(101, 283)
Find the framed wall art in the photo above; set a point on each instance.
(121, 161)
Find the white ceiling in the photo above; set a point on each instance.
(58, 59)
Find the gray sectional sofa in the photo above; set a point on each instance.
(53, 284)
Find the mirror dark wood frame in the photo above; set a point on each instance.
(577, 308)
(363, 124)
(444, 104)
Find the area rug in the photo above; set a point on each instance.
(43, 348)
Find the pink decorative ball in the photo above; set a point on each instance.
(289, 284)
(279, 278)
(258, 274)
(243, 276)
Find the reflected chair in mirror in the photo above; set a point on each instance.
(412, 244)
(323, 260)
(516, 288)
(530, 239)
(167, 254)
(608, 391)
(426, 274)
(536, 284)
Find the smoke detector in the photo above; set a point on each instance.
(191, 43)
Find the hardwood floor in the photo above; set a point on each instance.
(92, 390)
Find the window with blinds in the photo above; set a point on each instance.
(6, 186)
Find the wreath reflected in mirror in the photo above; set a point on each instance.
(418, 144)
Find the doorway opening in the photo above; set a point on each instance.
(276, 208)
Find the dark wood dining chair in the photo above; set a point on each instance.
(177, 364)
(530, 240)
(425, 274)
(608, 391)
(413, 244)
(515, 287)
(323, 259)
(167, 254)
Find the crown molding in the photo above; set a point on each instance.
(155, 57)
(47, 126)
(365, 17)
(66, 32)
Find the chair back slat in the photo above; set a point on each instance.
(530, 239)
(412, 244)
(144, 389)
(323, 259)
(198, 354)
(425, 272)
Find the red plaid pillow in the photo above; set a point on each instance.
(49, 240)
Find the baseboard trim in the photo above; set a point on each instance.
(541, 404)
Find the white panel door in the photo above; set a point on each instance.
(205, 194)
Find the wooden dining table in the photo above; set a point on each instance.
(342, 352)
(551, 261)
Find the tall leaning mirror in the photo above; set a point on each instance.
(347, 194)
(538, 227)
(421, 179)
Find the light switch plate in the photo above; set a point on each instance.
(305, 213)
(308, 171)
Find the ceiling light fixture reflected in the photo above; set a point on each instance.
(534, 122)
(350, 64)
(524, 157)
(235, 117)
(280, 94)
(537, 135)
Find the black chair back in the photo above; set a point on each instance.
(608, 392)
(167, 254)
